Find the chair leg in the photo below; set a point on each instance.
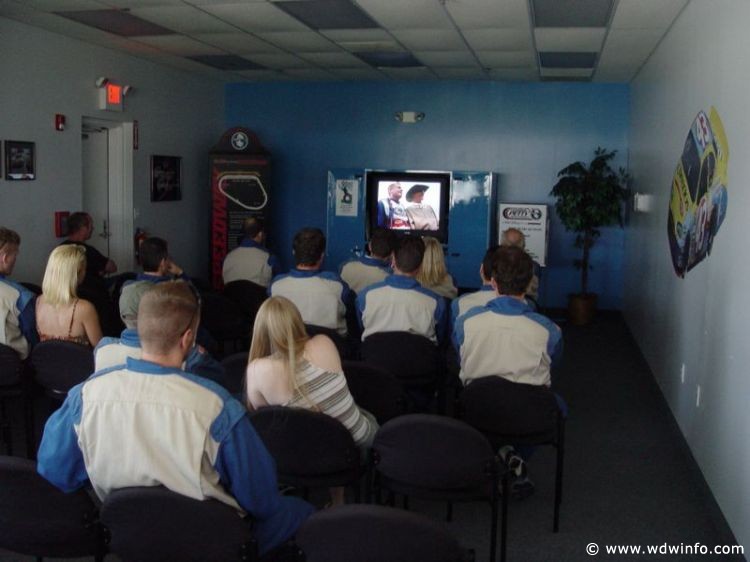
(559, 473)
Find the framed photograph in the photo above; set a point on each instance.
(165, 178)
(20, 161)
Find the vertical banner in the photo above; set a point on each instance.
(240, 179)
(533, 221)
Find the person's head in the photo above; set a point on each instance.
(416, 193)
(168, 318)
(512, 269)
(253, 229)
(80, 226)
(9, 243)
(485, 270)
(154, 255)
(309, 246)
(395, 191)
(407, 258)
(66, 268)
(433, 264)
(381, 243)
(513, 237)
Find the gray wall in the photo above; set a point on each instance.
(701, 320)
(178, 114)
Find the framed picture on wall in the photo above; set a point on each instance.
(20, 161)
(165, 178)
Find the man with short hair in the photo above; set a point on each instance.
(17, 318)
(481, 297)
(80, 229)
(320, 296)
(148, 423)
(399, 303)
(514, 238)
(391, 213)
(158, 267)
(251, 261)
(362, 272)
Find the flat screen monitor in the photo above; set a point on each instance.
(409, 202)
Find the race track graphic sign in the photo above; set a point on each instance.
(698, 202)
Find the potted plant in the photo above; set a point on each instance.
(589, 197)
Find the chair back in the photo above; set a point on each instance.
(412, 358)
(248, 295)
(510, 412)
(222, 317)
(341, 344)
(311, 449)
(39, 520)
(60, 365)
(375, 390)
(10, 366)
(155, 524)
(235, 367)
(343, 534)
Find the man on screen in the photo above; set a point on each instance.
(421, 215)
(391, 213)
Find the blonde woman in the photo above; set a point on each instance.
(60, 314)
(433, 275)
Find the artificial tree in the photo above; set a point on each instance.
(589, 197)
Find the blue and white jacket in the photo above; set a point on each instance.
(250, 261)
(362, 272)
(17, 317)
(466, 302)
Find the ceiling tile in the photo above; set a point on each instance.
(448, 59)
(227, 62)
(10, 8)
(129, 4)
(327, 14)
(118, 22)
(65, 5)
(615, 73)
(309, 74)
(371, 46)
(357, 34)
(302, 41)
(394, 14)
(240, 43)
(506, 59)
(256, 16)
(66, 27)
(479, 14)
(184, 19)
(365, 73)
(390, 60)
(180, 45)
(525, 74)
(334, 60)
(278, 61)
(571, 13)
(261, 75)
(498, 39)
(460, 73)
(567, 60)
(430, 39)
(629, 47)
(569, 39)
(565, 72)
(419, 73)
(646, 14)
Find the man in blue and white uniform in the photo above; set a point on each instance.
(251, 261)
(368, 270)
(149, 423)
(485, 294)
(17, 317)
(400, 303)
(320, 296)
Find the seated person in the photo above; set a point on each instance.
(320, 296)
(363, 272)
(250, 260)
(60, 314)
(288, 368)
(513, 237)
(157, 268)
(433, 275)
(17, 322)
(148, 423)
(478, 298)
(400, 303)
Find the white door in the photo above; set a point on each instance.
(107, 177)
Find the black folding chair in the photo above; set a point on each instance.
(13, 384)
(223, 319)
(248, 295)
(39, 520)
(377, 534)
(375, 390)
(311, 449)
(235, 367)
(441, 459)
(155, 524)
(60, 365)
(414, 360)
(510, 413)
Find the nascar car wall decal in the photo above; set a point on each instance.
(698, 202)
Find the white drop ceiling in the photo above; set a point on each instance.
(279, 40)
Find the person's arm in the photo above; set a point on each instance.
(254, 385)
(441, 320)
(360, 305)
(90, 321)
(274, 264)
(321, 351)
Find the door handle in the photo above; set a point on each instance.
(105, 233)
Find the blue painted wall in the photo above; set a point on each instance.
(524, 131)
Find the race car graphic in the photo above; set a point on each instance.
(698, 202)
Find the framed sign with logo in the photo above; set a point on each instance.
(533, 221)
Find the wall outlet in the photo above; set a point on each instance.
(682, 374)
(698, 397)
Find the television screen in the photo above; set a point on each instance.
(410, 202)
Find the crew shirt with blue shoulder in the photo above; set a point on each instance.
(360, 273)
(132, 291)
(466, 302)
(142, 424)
(250, 261)
(506, 338)
(17, 317)
(401, 304)
(115, 351)
(320, 296)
